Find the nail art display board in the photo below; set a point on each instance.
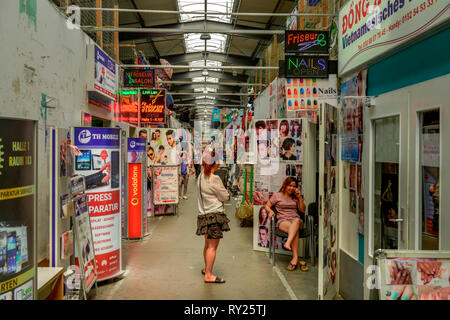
(308, 93)
(412, 275)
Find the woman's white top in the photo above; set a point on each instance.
(213, 193)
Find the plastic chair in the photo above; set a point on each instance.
(307, 232)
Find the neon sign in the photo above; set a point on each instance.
(306, 67)
(139, 78)
(153, 105)
(302, 41)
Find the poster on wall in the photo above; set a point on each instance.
(105, 74)
(328, 187)
(421, 279)
(99, 164)
(165, 185)
(17, 208)
(165, 144)
(279, 155)
(85, 242)
(352, 117)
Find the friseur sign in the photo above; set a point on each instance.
(306, 67)
(139, 78)
(304, 41)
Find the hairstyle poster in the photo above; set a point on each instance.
(164, 142)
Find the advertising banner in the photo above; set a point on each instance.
(105, 74)
(17, 208)
(85, 242)
(165, 144)
(137, 211)
(370, 29)
(99, 163)
(216, 115)
(165, 185)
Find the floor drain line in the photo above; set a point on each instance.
(284, 282)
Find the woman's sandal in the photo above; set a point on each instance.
(303, 266)
(292, 267)
(218, 280)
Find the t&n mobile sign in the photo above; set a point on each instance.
(370, 28)
(100, 165)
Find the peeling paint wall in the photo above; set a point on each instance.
(39, 55)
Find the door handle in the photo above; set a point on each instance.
(396, 220)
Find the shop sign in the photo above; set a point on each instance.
(306, 67)
(17, 208)
(134, 200)
(216, 115)
(139, 78)
(370, 29)
(165, 185)
(105, 74)
(153, 105)
(304, 41)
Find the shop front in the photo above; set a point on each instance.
(403, 149)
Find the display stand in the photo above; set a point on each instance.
(136, 190)
(165, 188)
(61, 206)
(100, 164)
(83, 235)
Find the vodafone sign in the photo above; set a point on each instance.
(134, 201)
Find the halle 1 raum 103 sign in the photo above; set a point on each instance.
(306, 67)
(303, 41)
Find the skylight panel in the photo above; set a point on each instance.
(224, 6)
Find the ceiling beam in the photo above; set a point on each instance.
(231, 59)
(181, 28)
(213, 74)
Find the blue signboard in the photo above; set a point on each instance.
(97, 137)
(216, 115)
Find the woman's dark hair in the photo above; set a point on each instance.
(262, 219)
(286, 183)
(260, 124)
(285, 123)
(161, 148)
(299, 130)
(288, 143)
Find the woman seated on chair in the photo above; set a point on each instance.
(287, 202)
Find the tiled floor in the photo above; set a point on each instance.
(167, 264)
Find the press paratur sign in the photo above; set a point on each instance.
(102, 208)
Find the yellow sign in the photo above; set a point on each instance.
(13, 283)
(12, 193)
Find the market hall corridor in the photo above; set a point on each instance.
(167, 264)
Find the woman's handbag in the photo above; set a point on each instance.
(245, 209)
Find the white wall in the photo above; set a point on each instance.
(50, 59)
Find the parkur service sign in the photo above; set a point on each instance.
(370, 28)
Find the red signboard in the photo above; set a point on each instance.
(153, 106)
(134, 201)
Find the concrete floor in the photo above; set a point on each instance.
(167, 264)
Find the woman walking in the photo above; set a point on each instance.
(212, 220)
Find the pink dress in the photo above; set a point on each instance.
(286, 207)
